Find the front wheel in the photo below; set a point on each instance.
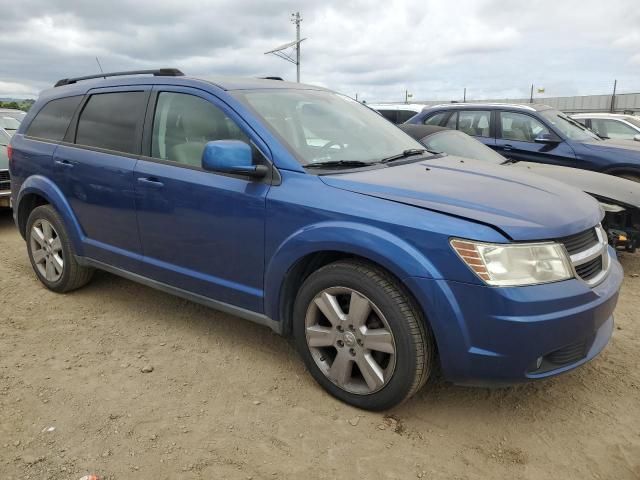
(361, 335)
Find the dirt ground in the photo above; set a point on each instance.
(229, 399)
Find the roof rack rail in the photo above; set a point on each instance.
(272, 78)
(161, 72)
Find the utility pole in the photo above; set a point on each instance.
(296, 18)
(464, 96)
(531, 97)
(613, 96)
(285, 51)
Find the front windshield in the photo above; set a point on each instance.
(9, 124)
(570, 128)
(633, 120)
(460, 144)
(322, 126)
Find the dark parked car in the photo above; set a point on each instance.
(5, 184)
(618, 197)
(537, 133)
(305, 211)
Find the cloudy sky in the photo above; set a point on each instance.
(433, 48)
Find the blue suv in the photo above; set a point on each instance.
(537, 133)
(303, 210)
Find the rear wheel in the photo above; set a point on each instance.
(361, 336)
(51, 253)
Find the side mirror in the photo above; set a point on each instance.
(547, 138)
(637, 137)
(231, 156)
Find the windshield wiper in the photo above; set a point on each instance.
(407, 153)
(338, 164)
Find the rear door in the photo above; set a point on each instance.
(201, 231)
(515, 139)
(476, 123)
(94, 169)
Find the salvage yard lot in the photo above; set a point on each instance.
(229, 399)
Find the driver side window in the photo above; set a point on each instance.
(520, 127)
(183, 124)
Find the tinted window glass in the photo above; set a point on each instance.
(404, 115)
(111, 121)
(52, 121)
(474, 123)
(183, 125)
(520, 127)
(390, 115)
(435, 119)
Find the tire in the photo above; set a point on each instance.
(377, 354)
(51, 253)
(630, 176)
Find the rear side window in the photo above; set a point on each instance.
(112, 121)
(436, 119)
(474, 123)
(53, 119)
(390, 115)
(404, 115)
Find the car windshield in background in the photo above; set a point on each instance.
(460, 144)
(633, 120)
(570, 128)
(321, 126)
(9, 124)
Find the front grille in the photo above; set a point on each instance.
(588, 270)
(580, 241)
(570, 353)
(588, 253)
(5, 183)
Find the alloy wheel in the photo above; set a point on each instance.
(46, 250)
(350, 340)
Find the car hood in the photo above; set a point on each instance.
(629, 145)
(521, 205)
(598, 184)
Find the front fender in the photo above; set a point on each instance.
(42, 186)
(379, 246)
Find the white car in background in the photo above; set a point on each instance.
(397, 112)
(611, 125)
(8, 124)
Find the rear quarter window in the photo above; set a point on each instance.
(52, 121)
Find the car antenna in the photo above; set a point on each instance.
(100, 67)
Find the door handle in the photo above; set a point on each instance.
(64, 163)
(507, 147)
(151, 182)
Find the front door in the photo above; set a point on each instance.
(201, 231)
(515, 139)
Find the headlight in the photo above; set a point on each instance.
(516, 264)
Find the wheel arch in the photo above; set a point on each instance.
(310, 249)
(38, 190)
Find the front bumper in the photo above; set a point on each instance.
(497, 336)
